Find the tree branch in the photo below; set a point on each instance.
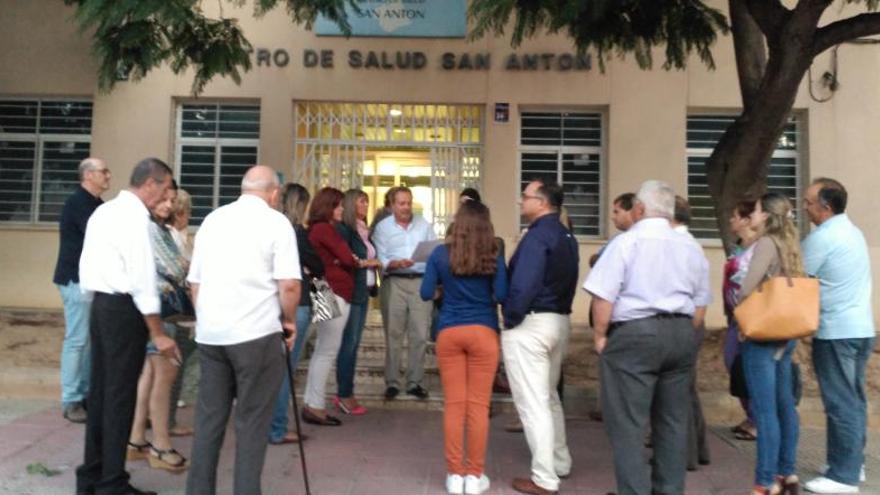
(769, 15)
(845, 30)
(750, 51)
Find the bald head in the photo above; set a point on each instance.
(261, 181)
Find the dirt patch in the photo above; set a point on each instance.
(581, 364)
(31, 339)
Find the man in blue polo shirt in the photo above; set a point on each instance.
(94, 179)
(543, 276)
(836, 253)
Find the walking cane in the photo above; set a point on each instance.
(302, 451)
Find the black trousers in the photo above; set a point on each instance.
(646, 376)
(119, 338)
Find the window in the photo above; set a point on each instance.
(41, 145)
(703, 133)
(216, 144)
(566, 148)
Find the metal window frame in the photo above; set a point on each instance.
(39, 139)
(218, 143)
(797, 154)
(567, 149)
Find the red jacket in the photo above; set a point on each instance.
(338, 260)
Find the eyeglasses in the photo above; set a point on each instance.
(525, 196)
(104, 171)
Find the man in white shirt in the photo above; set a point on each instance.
(245, 278)
(117, 271)
(650, 290)
(396, 239)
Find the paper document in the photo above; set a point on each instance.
(424, 249)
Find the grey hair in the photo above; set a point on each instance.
(261, 184)
(658, 198)
(86, 165)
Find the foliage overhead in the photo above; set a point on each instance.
(132, 37)
(610, 26)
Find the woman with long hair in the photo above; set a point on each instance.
(294, 201)
(767, 365)
(474, 280)
(353, 228)
(339, 265)
(735, 270)
(159, 372)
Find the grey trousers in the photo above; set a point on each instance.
(249, 373)
(646, 376)
(410, 316)
(698, 446)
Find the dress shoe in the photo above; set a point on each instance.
(417, 392)
(514, 426)
(75, 413)
(130, 490)
(313, 419)
(391, 393)
(526, 485)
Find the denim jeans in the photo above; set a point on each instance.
(767, 366)
(75, 353)
(346, 360)
(279, 417)
(840, 367)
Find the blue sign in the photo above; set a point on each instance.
(401, 18)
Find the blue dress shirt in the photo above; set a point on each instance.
(394, 242)
(837, 254)
(543, 271)
(470, 300)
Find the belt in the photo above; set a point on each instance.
(541, 311)
(659, 316)
(113, 295)
(405, 275)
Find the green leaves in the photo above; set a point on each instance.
(610, 26)
(133, 37)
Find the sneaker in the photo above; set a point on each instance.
(825, 485)
(454, 484)
(75, 413)
(474, 485)
(825, 467)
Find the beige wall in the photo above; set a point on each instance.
(645, 115)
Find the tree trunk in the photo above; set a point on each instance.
(739, 164)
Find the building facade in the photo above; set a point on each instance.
(436, 114)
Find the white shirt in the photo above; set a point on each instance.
(117, 257)
(651, 269)
(241, 252)
(395, 242)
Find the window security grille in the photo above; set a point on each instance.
(216, 144)
(41, 145)
(703, 133)
(566, 148)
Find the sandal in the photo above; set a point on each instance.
(137, 452)
(357, 410)
(746, 435)
(790, 484)
(157, 460)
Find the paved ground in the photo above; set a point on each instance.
(385, 452)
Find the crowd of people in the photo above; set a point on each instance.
(277, 264)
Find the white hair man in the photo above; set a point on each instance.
(650, 290)
(94, 179)
(245, 278)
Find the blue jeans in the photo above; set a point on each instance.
(767, 366)
(76, 351)
(840, 367)
(279, 417)
(346, 360)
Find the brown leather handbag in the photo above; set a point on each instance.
(782, 308)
